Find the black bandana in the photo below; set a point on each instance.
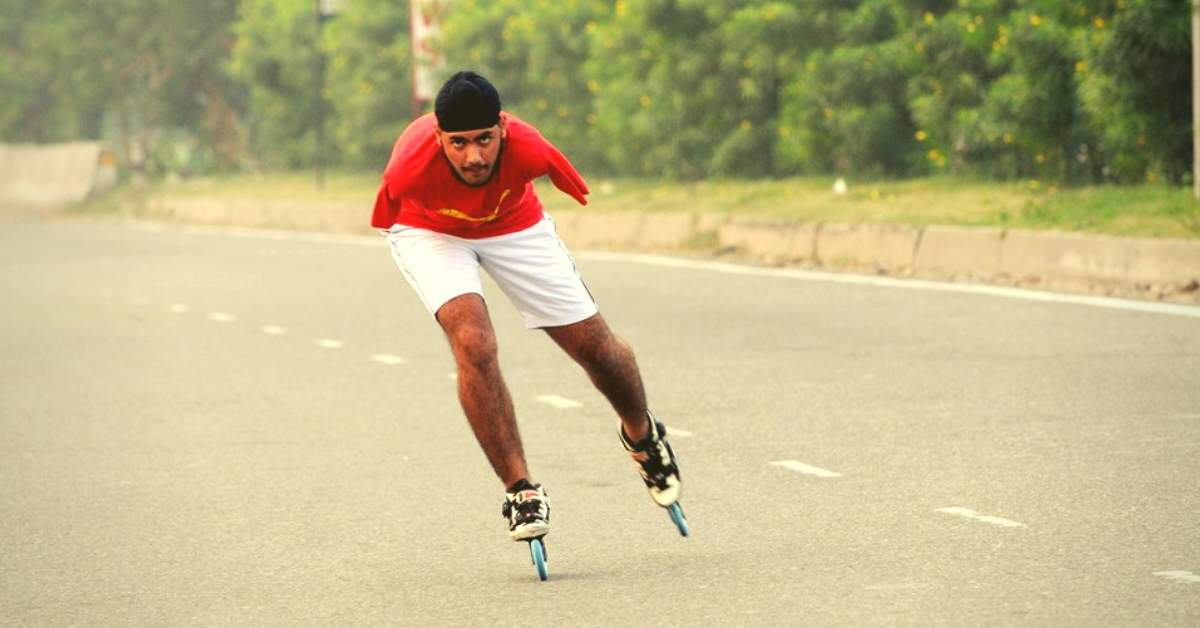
(467, 102)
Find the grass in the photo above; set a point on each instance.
(1156, 211)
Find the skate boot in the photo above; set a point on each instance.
(527, 510)
(655, 462)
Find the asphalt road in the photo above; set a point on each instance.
(218, 429)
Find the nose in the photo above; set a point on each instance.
(474, 154)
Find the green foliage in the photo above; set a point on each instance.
(1059, 93)
(124, 70)
(533, 51)
(275, 56)
(368, 83)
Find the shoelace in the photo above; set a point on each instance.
(526, 511)
(652, 463)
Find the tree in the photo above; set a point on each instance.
(1136, 87)
(369, 82)
(274, 57)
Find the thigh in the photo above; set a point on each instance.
(536, 272)
(437, 267)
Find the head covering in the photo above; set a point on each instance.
(467, 102)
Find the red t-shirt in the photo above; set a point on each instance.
(421, 189)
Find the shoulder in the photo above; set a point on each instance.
(526, 144)
(522, 132)
(413, 155)
(418, 132)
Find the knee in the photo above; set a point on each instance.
(474, 345)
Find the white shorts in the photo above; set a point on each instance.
(532, 268)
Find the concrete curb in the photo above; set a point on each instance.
(1109, 264)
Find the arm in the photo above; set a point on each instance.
(564, 176)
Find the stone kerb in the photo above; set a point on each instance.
(665, 231)
(1099, 258)
(772, 241)
(958, 250)
(890, 247)
(584, 230)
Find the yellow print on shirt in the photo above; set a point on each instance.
(454, 213)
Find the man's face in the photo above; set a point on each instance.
(473, 154)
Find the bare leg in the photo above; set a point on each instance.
(610, 363)
(481, 390)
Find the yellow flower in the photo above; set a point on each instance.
(921, 135)
(1035, 19)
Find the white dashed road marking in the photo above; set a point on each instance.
(561, 403)
(222, 317)
(330, 343)
(387, 358)
(800, 467)
(177, 308)
(1181, 576)
(680, 433)
(971, 514)
(273, 330)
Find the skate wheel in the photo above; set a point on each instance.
(677, 516)
(537, 551)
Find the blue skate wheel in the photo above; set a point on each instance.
(537, 552)
(677, 516)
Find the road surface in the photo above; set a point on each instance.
(206, 428)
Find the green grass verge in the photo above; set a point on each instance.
(1139, 211)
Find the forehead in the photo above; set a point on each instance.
(469, 135)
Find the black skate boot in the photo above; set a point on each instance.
(528, 511)
(656, 462)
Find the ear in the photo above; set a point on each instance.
(437, 134)
(503, 126)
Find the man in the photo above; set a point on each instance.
(457, 196)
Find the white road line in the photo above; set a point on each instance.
(892, 282)
(800, 467)
(562, 403)
(1182, 576)
(726, 267)
(680, 433)
(222, 317)
(389, 359)
(177, 308)
(971, 514)
(330, 343)
(273, 330)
